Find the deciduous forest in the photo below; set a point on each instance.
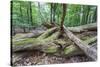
(52, 33)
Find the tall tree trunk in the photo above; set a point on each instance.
(87, 14)
(28, 18)
(41, 16)
(51, 13)
(21, 15)
(53, 8)
(31, 20)
(54, 12)
(63, 17)
(81, 15)
(28, 15)
(95, 15)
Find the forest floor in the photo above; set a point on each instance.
(34, 57)
(39, 58)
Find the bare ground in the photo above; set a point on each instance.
(39, 58)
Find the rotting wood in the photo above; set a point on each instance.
(83, 46)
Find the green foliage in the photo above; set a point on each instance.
(79, 15)
(75, 15)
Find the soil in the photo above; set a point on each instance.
(40, 58)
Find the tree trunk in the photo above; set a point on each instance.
(63, 17)
(53, 8)
(78, 29)
(54, 12)
(41, 16)
(83, 46)
(87, 14)
(82, 28)
(42, 43)
(51, 19)
(49, 46)
(28, 14)
(31, 20)
(49, 42)
(95, 15)
(21, 15)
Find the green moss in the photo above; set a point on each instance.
(18, 36)
(85, 38)
(47, 33)
(51, 49)
(53, 36)
(69, 49)
(90, 40)
(72, 50)
(25, 41)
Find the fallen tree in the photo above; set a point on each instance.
(59, 41)
(92, 53)
(51, 42)
(82, 28)
(36, 33)
(78, 29)
(36, 43)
